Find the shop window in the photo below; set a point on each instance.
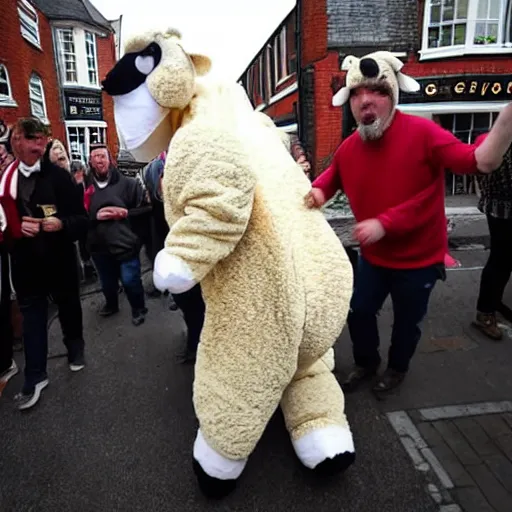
(29, 22)
(77, 57)
(455, 27)
(6, 99)
(80, 139)
(36, 96)
(466, 127)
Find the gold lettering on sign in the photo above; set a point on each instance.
(509, 88)
(485, 86)
(472, 88)
(431, 89)
(496, 88)
(460, 88)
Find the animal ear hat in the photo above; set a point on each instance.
(375, 69)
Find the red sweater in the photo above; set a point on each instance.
(400, 180)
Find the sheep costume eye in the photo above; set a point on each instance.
(375, 68)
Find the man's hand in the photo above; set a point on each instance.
(51, 224)
(369, 231)
(30, 226)
(315, 198)
(112, 213)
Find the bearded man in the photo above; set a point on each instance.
(392, 172)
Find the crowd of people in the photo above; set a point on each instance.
(56, 212)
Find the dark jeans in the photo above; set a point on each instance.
(410, 292)
(498, 268)
(192, 305)
(6, 330)
(34, 310)
(111, 271)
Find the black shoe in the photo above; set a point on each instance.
(107, 310)
(139, 316)
(358, 375)
(28, 398)
(390, 380)
(78, 363)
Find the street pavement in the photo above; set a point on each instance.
(118, 436)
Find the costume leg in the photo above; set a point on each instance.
(313, 407)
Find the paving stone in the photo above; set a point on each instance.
(494, 425)
(505, 444)
(492, 489)
(508, 418)
(457, 443)
(501, 468)
(449, 462)
(476, 436)
(447, 344)
(471, 499)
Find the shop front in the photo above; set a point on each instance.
(84, 122)
(466, 105)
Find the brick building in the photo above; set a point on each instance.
(459, 50)
(52, 60)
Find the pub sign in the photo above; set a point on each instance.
(83, 105)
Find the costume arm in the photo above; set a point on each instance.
(215, 198)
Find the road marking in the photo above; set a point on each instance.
(463, 268)
(460, 411)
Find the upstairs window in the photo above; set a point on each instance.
(77, 57)
(455, 27)
(29, 23)
(36, 95)
(6, 99)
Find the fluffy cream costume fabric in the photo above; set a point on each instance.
(374, 68)
(275, 278)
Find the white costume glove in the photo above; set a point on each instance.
(172, 273)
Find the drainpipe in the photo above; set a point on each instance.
(298, 45)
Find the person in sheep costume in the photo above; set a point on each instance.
(275, 278)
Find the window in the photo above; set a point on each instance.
(467, 127)
(29, 23)
(455, 27)
(36, 95)
(6, 99)
(90, 52)
(68, 56)
(80, 139)
(77, 57)
(280, 57)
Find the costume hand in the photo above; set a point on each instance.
(112, 213)
(30, 226)
(369, 231)
(51, 224)
(315, 198)
(172, 273)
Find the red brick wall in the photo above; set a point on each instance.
(106, 53)
(327, 117)
(283, 107)
(21, 59)
(313, 31)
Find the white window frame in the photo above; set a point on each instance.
(26, 14)
(503, 44)
(7, 100)
(281, 58)
(85, 124)
(36, 80)
(94, 56)
(62, 60)
(80, 44)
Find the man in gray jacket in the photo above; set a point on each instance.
(116, 206)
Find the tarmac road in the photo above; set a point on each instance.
(118, 436)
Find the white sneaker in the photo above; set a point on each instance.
(7, 375)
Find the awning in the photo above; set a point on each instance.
(452, 107)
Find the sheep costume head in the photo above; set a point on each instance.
(274, 276)
(375, 69)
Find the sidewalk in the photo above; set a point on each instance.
(118, 436)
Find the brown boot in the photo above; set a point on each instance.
(390, 380)
(486, 323)
(356, 376)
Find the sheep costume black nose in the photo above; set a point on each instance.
(369, 68)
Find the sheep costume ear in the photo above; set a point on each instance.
(355, 76)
